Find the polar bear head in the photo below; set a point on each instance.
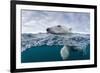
(59, 29)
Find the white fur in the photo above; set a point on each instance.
(64, 52)
(59, 30)
(62, 30)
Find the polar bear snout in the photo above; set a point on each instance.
(48, 29)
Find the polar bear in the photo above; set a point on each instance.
(59, 29)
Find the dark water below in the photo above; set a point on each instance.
(46, 53)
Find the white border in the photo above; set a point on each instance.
(20, 65)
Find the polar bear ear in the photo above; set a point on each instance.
(70, 29)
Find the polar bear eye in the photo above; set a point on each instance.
(58, 26)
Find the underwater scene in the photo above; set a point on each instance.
(45, 47)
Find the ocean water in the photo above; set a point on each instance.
(42, 53)
(47, 47)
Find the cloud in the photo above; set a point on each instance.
(38, 21)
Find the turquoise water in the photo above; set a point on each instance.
(46, 53)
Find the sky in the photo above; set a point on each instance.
(35, 21)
